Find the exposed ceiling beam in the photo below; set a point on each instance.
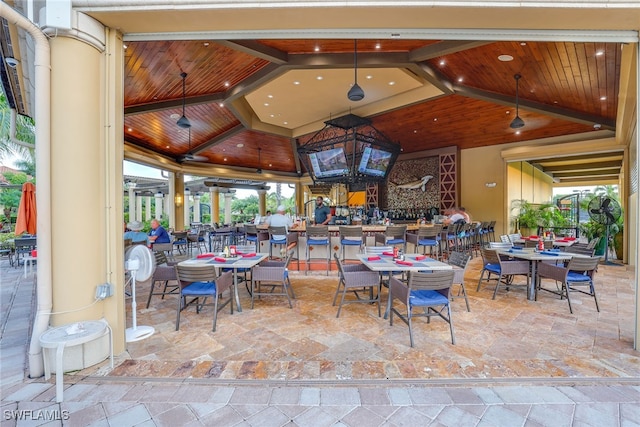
(580, 167)
(445, 47)
(173, 103)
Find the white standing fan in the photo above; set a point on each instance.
(140, 264)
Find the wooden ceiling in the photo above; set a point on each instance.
(468, 97)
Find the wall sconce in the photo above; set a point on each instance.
(178, 200)
(489, 184)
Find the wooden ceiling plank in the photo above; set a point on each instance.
(443, 47)
(218, 139)
(583, 166)
(258, 50)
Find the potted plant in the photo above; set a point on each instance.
(526, 216)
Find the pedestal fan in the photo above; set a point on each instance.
(606, 211)
(140, 264)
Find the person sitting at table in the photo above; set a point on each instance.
(280, 220)
(135, 233)
(455, 217)
(158, 234)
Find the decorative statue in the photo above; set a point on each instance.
(421, 183)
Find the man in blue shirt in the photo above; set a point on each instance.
(322, 212)
(135, 234)
(158, 234)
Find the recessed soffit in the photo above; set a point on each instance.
(299, 99)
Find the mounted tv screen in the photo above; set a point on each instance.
(375, 162)
(329, 163)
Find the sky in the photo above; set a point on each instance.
(136, 169)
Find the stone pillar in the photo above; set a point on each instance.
(215, 205)
(262, 202)
(227, 207)
(196, 207)
(158, 215)
(187, 208)
(132, 201)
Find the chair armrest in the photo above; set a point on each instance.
(514, 267)
(349, 268)
(224, 282)
(361, 278)
(411, 238)
(380, 238)
(399, 290)
(267, 273)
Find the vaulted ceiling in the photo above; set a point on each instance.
(424, 94)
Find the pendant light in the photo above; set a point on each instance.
(259, 170)
(183, 122)
(355, 93)
(517, 122)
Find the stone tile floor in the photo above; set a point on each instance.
(516, 362)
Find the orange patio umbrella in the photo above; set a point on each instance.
(27, 214)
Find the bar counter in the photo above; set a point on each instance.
(365, 228)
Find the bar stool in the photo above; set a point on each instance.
(251, 234)
(278, 237)
(350, 236)
(427, 237)
(318, 235)
(393, 235)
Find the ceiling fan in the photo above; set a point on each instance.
(189, 156)
(517, 122)
(355, 93)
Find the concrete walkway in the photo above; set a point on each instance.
(136, 401)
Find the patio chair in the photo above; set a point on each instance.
(350, 236)
(427, 293)
(163, 273)
(356, 278)
(272, 275)
(200, 282)
(578, 273)
(459, 261)
(23, 247)
(393, 235)
(504, 270)
(277, 237)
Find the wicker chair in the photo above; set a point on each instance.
(356, 278)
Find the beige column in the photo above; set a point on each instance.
(132, 201)
(187, 208)
(215, 205)
(147, 208)
(227, 207)
(158, 197)
(178, 185)
(299, 200)
(87, 132)
(196, 207)
(262, 202)
(138, 208)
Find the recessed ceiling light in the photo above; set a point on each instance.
(369, 77)
(155, 97)
(124, 46)
(266, 104)
(460, 79)
(270, 165)
(435, 119)
(175, 116)
(272, 115)
(517, 132)
(129, 130)
(286, 123)
(415, 131)
(442, 62)
(240, 145)
(392, 83)
(167, 146)
(599, 53)
(523, 43)
(270, 96)
(316, 49)
(205, 44)
(319, 78)
(505, 58)
(221, 105)
(377, 45)
(296, 82)
(603, 98)
(225, 159)
(226, 84)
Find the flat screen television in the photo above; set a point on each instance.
(375, 162)
(329, 163)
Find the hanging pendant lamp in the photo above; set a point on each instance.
(259, 170)
(183, 122)
(517, 122)
(355, 93)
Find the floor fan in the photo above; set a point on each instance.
(606, 211)
(140, 265)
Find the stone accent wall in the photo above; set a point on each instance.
(409, 173)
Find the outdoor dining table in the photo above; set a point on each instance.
(557, 243)
(234, 263)
(411, 262)
(534, 257)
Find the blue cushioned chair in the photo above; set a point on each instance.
(578, 273)
(394, 235)
(505, 270)
(428, 293)
(427, 237)
(278, 237)
(350, 236)
(269, 276)
(200, 283)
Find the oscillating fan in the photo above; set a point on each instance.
(140, 265)
(606, 211)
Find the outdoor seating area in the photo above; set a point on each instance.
(509, 336)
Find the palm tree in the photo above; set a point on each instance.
(25, 131)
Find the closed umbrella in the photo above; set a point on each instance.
(27, 214)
